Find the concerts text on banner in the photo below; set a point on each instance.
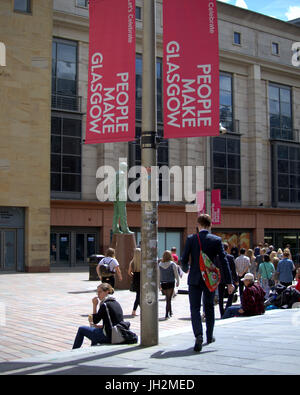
(111, 77)
(191, 68)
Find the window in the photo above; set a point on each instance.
(138, 13)
(22, 5)
(138, 92)
(82, 3)
(64, 75)
(65, 154)
(286, 174)
(275, 49)
(280, 109)
(226, 105)
(237, 38)
(226, 167)
(135, 158)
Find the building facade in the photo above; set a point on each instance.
(256, 163)
(25, 113)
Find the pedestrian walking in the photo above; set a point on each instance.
(212, 246)
(168, 274)
(134, 271)
(285, 269)
(101, 333)
(108, 267)
(266, 272)
(222, 285)
(242, 265)
(251, 256)
(253, 300)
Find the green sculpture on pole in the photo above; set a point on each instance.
(120, 215)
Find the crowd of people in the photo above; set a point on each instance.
(254, 272)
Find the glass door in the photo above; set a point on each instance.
(8, 249)
(64, 249)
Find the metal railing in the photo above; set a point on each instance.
(292, 135)
(64, 102)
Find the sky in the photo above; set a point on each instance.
(280, 9)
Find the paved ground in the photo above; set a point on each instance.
(43, 312)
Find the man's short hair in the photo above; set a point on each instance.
(267, 258)
(204, 220)
(225, 246)
(242, 251)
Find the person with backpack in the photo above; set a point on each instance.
(108, 267)
(195, 246)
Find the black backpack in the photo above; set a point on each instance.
(105, 269)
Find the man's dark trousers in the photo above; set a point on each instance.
(195, 294)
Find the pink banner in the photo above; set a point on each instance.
(191, 68)
(200, 199)
(216, 206)
(111, 79)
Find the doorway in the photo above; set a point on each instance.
(72, 247)
(8, 249)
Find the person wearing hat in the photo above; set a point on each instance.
(252, 302)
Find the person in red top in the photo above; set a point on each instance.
(174, 256)
(297, 286)
(252, 302)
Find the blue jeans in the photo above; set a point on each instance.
(96, 335)
(232, 311)
(195, 293)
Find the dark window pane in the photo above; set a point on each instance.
(55, 125)
(219, 144)
(233, 146)
(281, 181)
(233, 161)
(71, 146)
(55, 182)
(233, 192)
(237, 38)
(56, 163)
(283, 195)
(72, 127)
(71, 164)
(223, 190)
(285, 95)
(22, 5)
(293, 182)
(71, 183)
(219, 160)
(283, 166)
(293, 167)
(220, 176)
(234, 177)
(66, 87)
(55, 144)
(283, 152)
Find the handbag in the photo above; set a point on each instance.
(116, 334)
(209, 271)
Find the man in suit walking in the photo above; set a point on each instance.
(211, 246)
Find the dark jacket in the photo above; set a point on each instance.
(115, 312)
(211, 246)
(232, 268)
(253, 300)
